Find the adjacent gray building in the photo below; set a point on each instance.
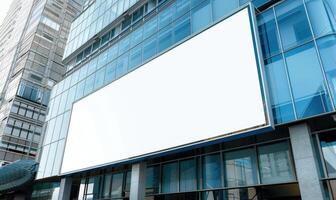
(32, 42)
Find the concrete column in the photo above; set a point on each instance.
(65, 189)
(305, 162)
(138, 181)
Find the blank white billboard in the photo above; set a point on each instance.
(204, 89)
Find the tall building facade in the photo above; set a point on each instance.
(33, 38)
(112, 42)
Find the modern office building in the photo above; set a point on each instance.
(32, 42)
(194, 99)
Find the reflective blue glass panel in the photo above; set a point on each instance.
(135, 57)
(181, 7)
(89, 84)
(309, 91)
(222, 8)
(268, 34)
(99, 79)
(201, 16)
(328, 145)
(110, 72)
(80, 89)
(165, 38)
(117, 183)
(149, 48)
(293, 23)
(327, 47)
(166, 16)
(279, 90)
(182, 29)
(122, 66)
(321, 17)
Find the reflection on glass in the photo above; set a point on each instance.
(106, 185)
(321, 17)
(149, 48)
(201, 16)
(165, 38)
(268, 34)
(275, 163)
(279, 90)
(327, 47)
(188, 177)
(152, 180)
(293, 23)
(304, 70)
(170, 177)
(222, 8)
(328, 145)
(117, 182)
(240, 168)
(212, 171)
(182, 29)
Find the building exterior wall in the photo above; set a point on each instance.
(299, 45)
(36, 65)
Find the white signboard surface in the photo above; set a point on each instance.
(207, 87)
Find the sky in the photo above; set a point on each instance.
(4, 6)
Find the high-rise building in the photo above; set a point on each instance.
(32, 42)
(194, 99)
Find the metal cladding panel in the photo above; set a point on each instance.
(207, 88)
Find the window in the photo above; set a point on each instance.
(165, 39)
(182, 29)
(182, 7)
(150, 27)
(293, 23)
(188, 178)
(135, 57)
(327, 47)
(222, 8)
(122, 66)
(321, 17)
(328, 145)
(275, 163)
(170, 177)
(80, 89)
(149, 49)
(201, 16)
(152, 180)
(100, 75)
(280, 97)
(110, 72)
(117, 183)
(165, 17)
(240, 168)
(268, 34)
(212, 174)
(89, 84)
(304, 69)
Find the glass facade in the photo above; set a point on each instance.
(297, 51)
(260, 164)
(94, 19)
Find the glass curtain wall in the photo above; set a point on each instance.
(297, 51)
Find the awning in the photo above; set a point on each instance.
(17, 174)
